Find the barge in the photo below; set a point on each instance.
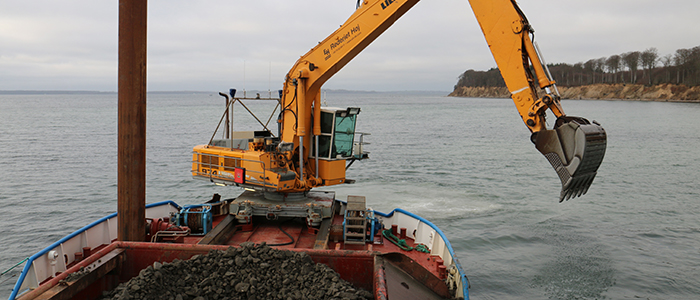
(400, 254)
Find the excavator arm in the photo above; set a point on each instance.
(294, 163)
(575, 147)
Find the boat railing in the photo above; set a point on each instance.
(424, 232)
(59, 256)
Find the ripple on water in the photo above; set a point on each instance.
(578, 266)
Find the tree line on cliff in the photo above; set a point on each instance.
(636, 67)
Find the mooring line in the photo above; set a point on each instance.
(10, 269)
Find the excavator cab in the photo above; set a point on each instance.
(337, 132)
(575, 148)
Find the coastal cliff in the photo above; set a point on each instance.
(661, 92)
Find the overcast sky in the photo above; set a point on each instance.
(216, 44)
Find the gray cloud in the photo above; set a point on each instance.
(213, 45)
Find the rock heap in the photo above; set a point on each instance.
(249, 272)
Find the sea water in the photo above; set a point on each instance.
(465, 164)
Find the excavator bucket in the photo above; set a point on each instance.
(575, 148)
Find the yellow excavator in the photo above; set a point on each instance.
(315, 144)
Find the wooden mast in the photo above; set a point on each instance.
(131, 161)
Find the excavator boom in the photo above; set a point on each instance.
(314, 143)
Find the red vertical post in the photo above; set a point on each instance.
(131, 161)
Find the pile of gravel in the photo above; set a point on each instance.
(249, 272)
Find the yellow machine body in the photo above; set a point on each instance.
(510, 38)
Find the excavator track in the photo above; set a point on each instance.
(575, 148)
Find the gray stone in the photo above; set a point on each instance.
(249, 272)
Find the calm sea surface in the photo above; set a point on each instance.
(465, 164)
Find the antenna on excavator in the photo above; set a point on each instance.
(244, 78)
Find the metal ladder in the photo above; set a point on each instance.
(355, 221)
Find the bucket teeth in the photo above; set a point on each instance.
(577, 186)
(575, 148)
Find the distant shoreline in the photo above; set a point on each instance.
(49, 92)
(239, 93)
(625, 92)
(83, 92)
